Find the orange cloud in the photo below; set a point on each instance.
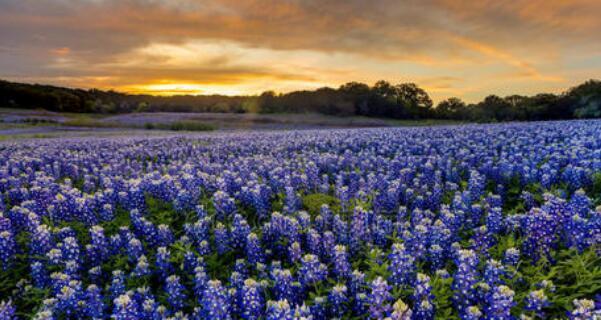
(526, 69)
(60, 51)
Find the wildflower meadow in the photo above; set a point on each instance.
(497, 221)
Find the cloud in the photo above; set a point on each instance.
(64, 51)
(525, 69)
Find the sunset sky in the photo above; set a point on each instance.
(467, 49)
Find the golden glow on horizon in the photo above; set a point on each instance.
(174, 88)
(166, 89)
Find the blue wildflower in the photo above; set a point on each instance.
(379, 298)
(124, 308)
(584, 309)
(400, 311)
(338, 300)
(279, 310)
(94, 304)
(342, 266)
(536, 301)
(499, 303)
(424, 307)
(312, 271)
(175, 292)
(7, 311)
(253, 304)
(464, 280)
(402, 265)
(216, 301)
(254, 252)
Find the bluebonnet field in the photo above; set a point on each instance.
(470, 222)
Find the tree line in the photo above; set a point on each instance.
(60, 99)
(383, 99)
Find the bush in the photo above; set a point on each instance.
(36, 121)
(180, 126)
(313, 202)
(190, 126)
(82, 122)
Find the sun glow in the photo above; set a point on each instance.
(171, 89)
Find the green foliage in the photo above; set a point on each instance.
(508, 241)
(37, 121)
(180, 126)
(377, 266)
(313, 202)
(160, 212)
(443, 298)
(596, 187)
(423, 122)
(9, 278)
(513, 203)
(91, 123)
(576, 276)
(121, 219)
(30, 299)
(219, 265)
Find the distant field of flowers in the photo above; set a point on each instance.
(457, 222)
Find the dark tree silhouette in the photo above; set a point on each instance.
(383, 99)
(451, 108)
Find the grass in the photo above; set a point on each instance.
(180, 126)
(9, 137)
(174, 126)
(208, 122)
(10, 125)
(313, 202)
(89, 123)
(93, 120)
(26, 123)
(423, 122)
